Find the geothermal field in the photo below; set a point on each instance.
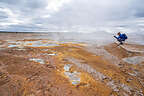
(68, 64)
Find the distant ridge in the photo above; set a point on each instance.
(24, 32)
(15, 32)
(37, 32)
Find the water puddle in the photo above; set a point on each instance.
(37, 60)
(10, 46)
(74, 77)
(67, 67)
(38, 43)
(18, 44)
(50, 54)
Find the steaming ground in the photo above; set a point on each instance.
(70, 64)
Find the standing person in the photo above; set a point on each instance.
(121, 37)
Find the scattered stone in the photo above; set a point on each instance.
(129, 80)
(126, 88)
(132, 74)
(113, 86)
(121, 65)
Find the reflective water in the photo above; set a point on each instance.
(38, 43)
(41, 61)
(74, 77)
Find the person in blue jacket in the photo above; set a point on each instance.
(121, 37)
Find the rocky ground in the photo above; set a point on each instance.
(43, 67)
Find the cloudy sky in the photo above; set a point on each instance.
(72, 15)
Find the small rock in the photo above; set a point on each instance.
(129, 80)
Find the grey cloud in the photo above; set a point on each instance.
(3, 15)
(77, 15)
(10, 1)
(34, 4)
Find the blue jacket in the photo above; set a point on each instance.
(122, 37)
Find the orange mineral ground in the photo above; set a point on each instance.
(44, 67)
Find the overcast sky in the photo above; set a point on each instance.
(72, 15)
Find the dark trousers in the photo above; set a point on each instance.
(120, 40)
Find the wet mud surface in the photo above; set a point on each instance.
(45, 67)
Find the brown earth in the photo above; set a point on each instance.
(99, 77)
